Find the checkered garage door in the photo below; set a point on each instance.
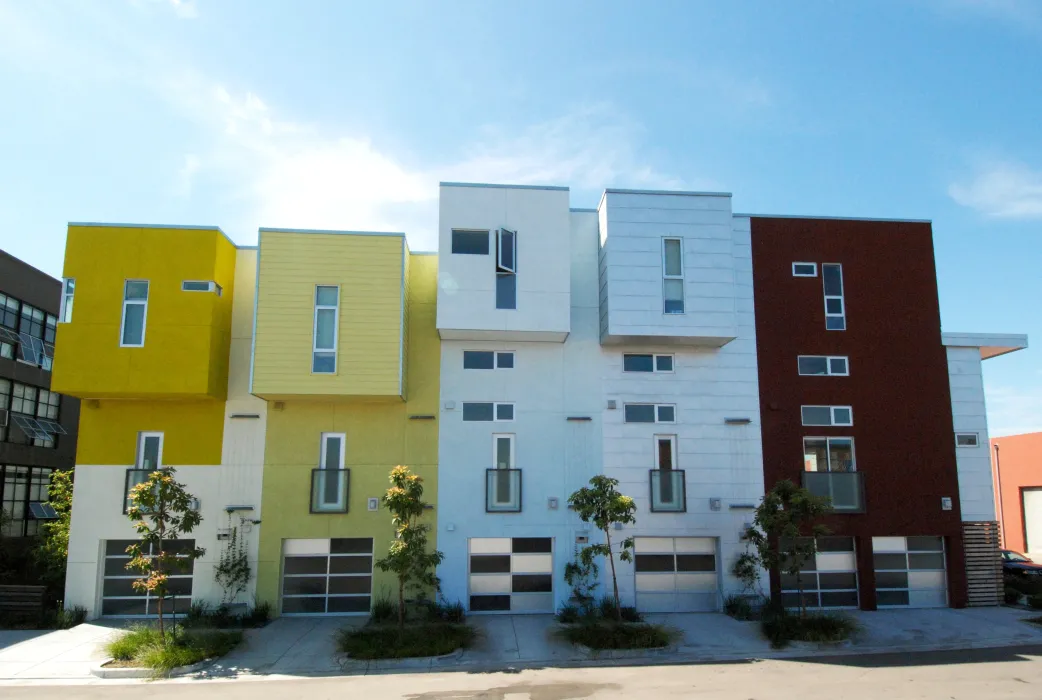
(119, 598)
(828, 579)
(327, 577)
(910, 572)
(676, 574)
(511, 574)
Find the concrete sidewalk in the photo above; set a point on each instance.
(305, 646)
(58, 654)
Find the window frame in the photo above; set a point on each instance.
(841, 297)
(500, 266)
(140, 449)
(512, 437)
(656, 407)
(976, 439)
(832, 416)
(486, 231)
(68, 296)
(144, 314)
(323, 437)
(828, 452)
(675, 462)
(211, 286)
(495, 411)
(336, 330)
(800, 274)
(495, 360)
(828, 365)
(654, 362)
(666, 276)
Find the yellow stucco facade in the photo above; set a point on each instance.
(379, 434)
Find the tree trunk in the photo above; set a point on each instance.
(401, 603)
(614, 580)
(161, 591)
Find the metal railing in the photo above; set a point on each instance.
(844, 489)
(329, 490)
(502, 490)
(668, 491)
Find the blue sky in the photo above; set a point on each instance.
(347, 114)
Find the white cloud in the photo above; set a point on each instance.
(185, 176)
(1002, 189)
(185, 9)
(1013, 410)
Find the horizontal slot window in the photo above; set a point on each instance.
(466, 242)
(804, 269)
(827, 415)
(487, 411)
(650, 413)
(823, 365)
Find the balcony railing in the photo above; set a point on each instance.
(329, 490)
(843, 488)
(502, 490)
(668, 491)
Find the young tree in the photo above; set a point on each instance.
(408, 557)
(161, 510)
(784, 529)
(52, 553)
(602, 503)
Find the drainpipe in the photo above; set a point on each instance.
(998, 482)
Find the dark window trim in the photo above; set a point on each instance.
(311, 492)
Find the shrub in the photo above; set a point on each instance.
(145, 646)
(258, 616)
(738, 607)
(384, 610)
(630, 614)
(1035, 601)
(607, 608)
(201, 616)
(65, 618)
(391, 642)
(781, 627)
(608, 634)
(568, 614)
(445, 612)
(1011, 595)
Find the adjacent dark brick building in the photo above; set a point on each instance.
(896, 386)
(30, 302)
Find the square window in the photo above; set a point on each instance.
(504, 411)
(842, 415)
(834, 305)
(505, 360)
(838, 366)
(966, 440)
(835, 323)
(666, 414)
(663, 363)
(470, 242)
(323, 363)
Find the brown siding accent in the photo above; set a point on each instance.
(983, 563)
(898, 385)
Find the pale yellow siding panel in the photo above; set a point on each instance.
(369, 271)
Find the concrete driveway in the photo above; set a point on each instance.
(58, 654)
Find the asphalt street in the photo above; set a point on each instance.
(970, 675)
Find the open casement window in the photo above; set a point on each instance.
(828, 454)
(68, 291)
(149, 451)
(327, 320)
(835, 307)
(135, 313)
(672, 276)
(506, 269)
(330, 483)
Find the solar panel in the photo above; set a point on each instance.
(51, 426)
(43, 511)
(31, 427)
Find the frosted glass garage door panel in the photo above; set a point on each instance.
(926, 579)
(656, 582)
(531, 564)
(490, 583)
(295, 548)
(644, 545)
(532, 602)
(927, 599)
(656, 602)
(695, 545)
(889, 544)
(696, 582)
(835, 561)
(490, 545)
(697, 602)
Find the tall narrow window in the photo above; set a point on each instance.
(68, 290)
(149, 451)
(503, 456)
(329, 481)
(135, 313)
(327, 318)
(672, 276)
(506, 269)
(835, 307)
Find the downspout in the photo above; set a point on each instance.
(998, 484)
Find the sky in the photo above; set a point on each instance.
(346, 115)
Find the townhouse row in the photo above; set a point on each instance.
(695, 354)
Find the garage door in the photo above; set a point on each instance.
(676, 574)
(327, 577)
(120, 599)
(910, 572)
(828, 579)
(511, 574)
(1032, 503)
